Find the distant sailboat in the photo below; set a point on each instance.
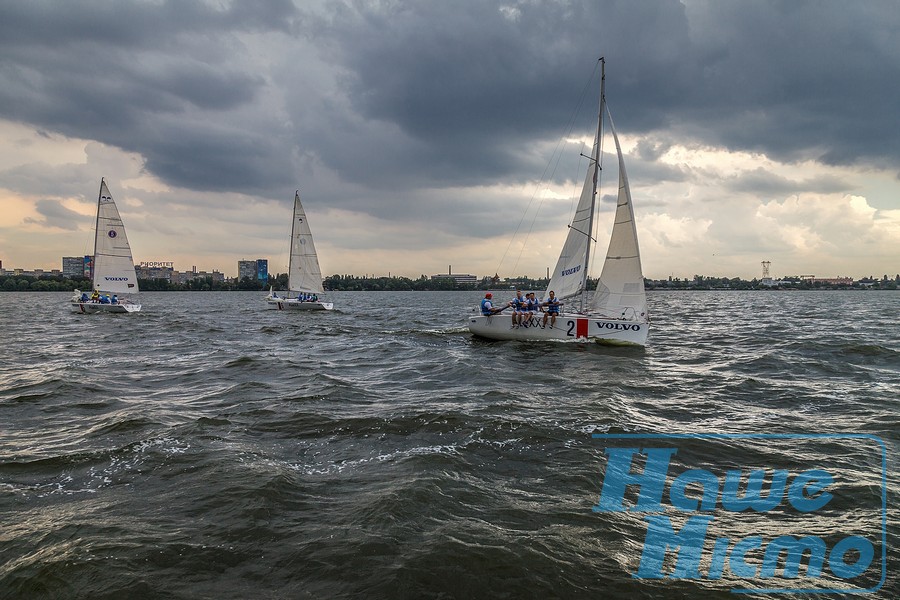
(304, 275)
(618, 314)
(113, 271)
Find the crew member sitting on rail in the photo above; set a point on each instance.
(532, 305)
(518, 306)
(552, 305)
(487, 305)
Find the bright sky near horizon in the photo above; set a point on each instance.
(417, 132)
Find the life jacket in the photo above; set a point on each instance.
(519, 303)
(485, 309)
(553, 306)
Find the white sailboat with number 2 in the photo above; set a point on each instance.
(304, 275)
(113, 269)
(618, 313)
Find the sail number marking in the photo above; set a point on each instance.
(580, 327)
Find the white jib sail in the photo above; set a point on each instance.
(113, 265)
(568, 276)
(304, 274)
(620, 290)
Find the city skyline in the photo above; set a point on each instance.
(417, 135)
(763, 275)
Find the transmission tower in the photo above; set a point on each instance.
(765, 265)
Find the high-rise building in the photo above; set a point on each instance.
(73, 266)
(262, 269)
(254, 269)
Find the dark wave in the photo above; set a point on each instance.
(380, 450)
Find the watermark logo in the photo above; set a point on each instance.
(757, 513)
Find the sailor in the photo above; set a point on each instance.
(115, 299)
(487, 306)
(552, 305)
(84, 297)
(95, 297)
(518, 306)
(532, 306)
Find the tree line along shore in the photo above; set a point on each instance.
(52, 283)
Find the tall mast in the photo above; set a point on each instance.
(596, 159)
(96, 233)
(293, 231)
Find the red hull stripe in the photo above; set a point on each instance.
(581, 328)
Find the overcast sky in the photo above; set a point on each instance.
(418, 133)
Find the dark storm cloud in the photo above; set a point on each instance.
(55, 215)
(156, 79)
(765, 184)
(471, 86)
(446, 94)
(133, 23)
(798, 79)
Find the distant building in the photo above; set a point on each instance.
(254, 269)
(155, 271)
(831, 280)
(30, 272)
(460, 278)
(73, 266)
(185, 276)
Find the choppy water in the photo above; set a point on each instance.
(207, 448)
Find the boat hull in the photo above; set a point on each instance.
(293, 304)
(97, 307)
(567, 328)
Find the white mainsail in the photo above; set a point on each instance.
(304, 274)
(620, 290)
(113, 264)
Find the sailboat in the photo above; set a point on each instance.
(113, 270)
(304, 275)
(618, 313)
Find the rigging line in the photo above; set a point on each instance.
(558, 155)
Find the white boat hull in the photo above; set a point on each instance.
(567, 328)
(294, 304)
(97, 307)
